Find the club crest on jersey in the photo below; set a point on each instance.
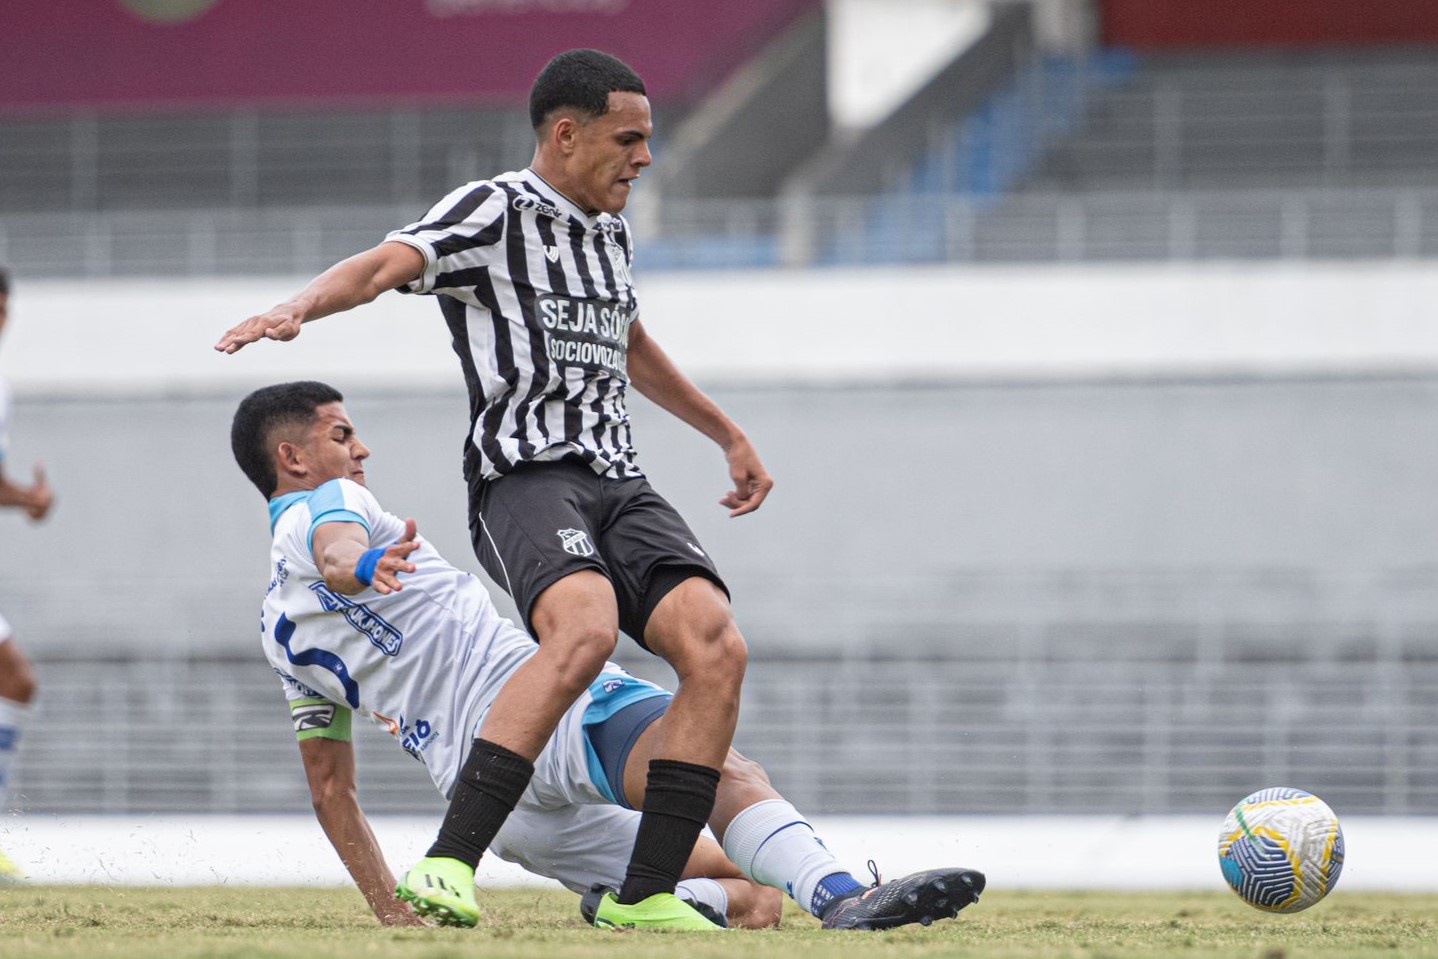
(575, 541)
(551, 253)
(621, 268)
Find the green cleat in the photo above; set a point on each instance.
(10, 874)
(663, 911)
(441, 889)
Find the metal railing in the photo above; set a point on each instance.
(1048, 228)
(937, 734)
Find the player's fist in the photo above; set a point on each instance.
(41, 496)
(396, 560)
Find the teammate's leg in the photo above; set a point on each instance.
(576, 621)
(17, 689)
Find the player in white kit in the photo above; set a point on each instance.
(17, 678)
(362, 616)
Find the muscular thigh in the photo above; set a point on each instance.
(536, 526)
(649, 550)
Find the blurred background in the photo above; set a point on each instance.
(1090, 343)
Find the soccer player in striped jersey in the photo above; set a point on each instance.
(532, 273)
(362, 616)
(17, 678)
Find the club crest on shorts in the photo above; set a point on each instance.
(575, 541)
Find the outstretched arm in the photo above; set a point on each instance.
(330, 769)
(655, 375)
(344, 286)
(342, 554)
(35, 500)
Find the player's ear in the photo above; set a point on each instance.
(562, 134)
(289, 459)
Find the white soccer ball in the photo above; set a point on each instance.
(1281, 849)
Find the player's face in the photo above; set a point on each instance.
(332, 450)
(609, 152)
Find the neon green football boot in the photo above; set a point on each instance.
(10, 874)
(441, 889)
(663, 911)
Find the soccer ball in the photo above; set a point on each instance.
(1281, 849)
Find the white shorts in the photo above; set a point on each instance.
(576, 845)
(570, 825)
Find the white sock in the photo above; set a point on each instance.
(773, 845)
(12, 721)
(707, 891)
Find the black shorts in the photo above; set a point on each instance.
(544, 521)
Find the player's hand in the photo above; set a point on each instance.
(751, 481)
(281, 323)
(396, 560)
(41, 496)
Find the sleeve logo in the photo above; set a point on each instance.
(315, 716)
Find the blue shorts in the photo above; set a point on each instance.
(621, 708)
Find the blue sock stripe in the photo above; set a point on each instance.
(831, 887)
(760, 848)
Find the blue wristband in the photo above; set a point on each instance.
(364, 569)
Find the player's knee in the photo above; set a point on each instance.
(765, 908)
(741, 771)
(726, 657)
(715, 651)
(17, 677)
(576, 656)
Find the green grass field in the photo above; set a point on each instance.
(217, 923)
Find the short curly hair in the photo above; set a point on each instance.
(266, 410)
(582, 79)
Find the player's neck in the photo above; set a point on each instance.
(554, 175)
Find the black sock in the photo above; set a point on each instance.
(677, 804)
(489, 785)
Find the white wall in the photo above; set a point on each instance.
(882, 52)
(1133, 853)
(141, 336)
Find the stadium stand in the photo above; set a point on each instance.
(1010, 154)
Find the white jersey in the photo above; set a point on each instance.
(424, 662)
(4, 419)
(5, 631)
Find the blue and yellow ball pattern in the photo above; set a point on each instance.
(1281, 849)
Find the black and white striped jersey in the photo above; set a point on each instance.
(539, 299)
